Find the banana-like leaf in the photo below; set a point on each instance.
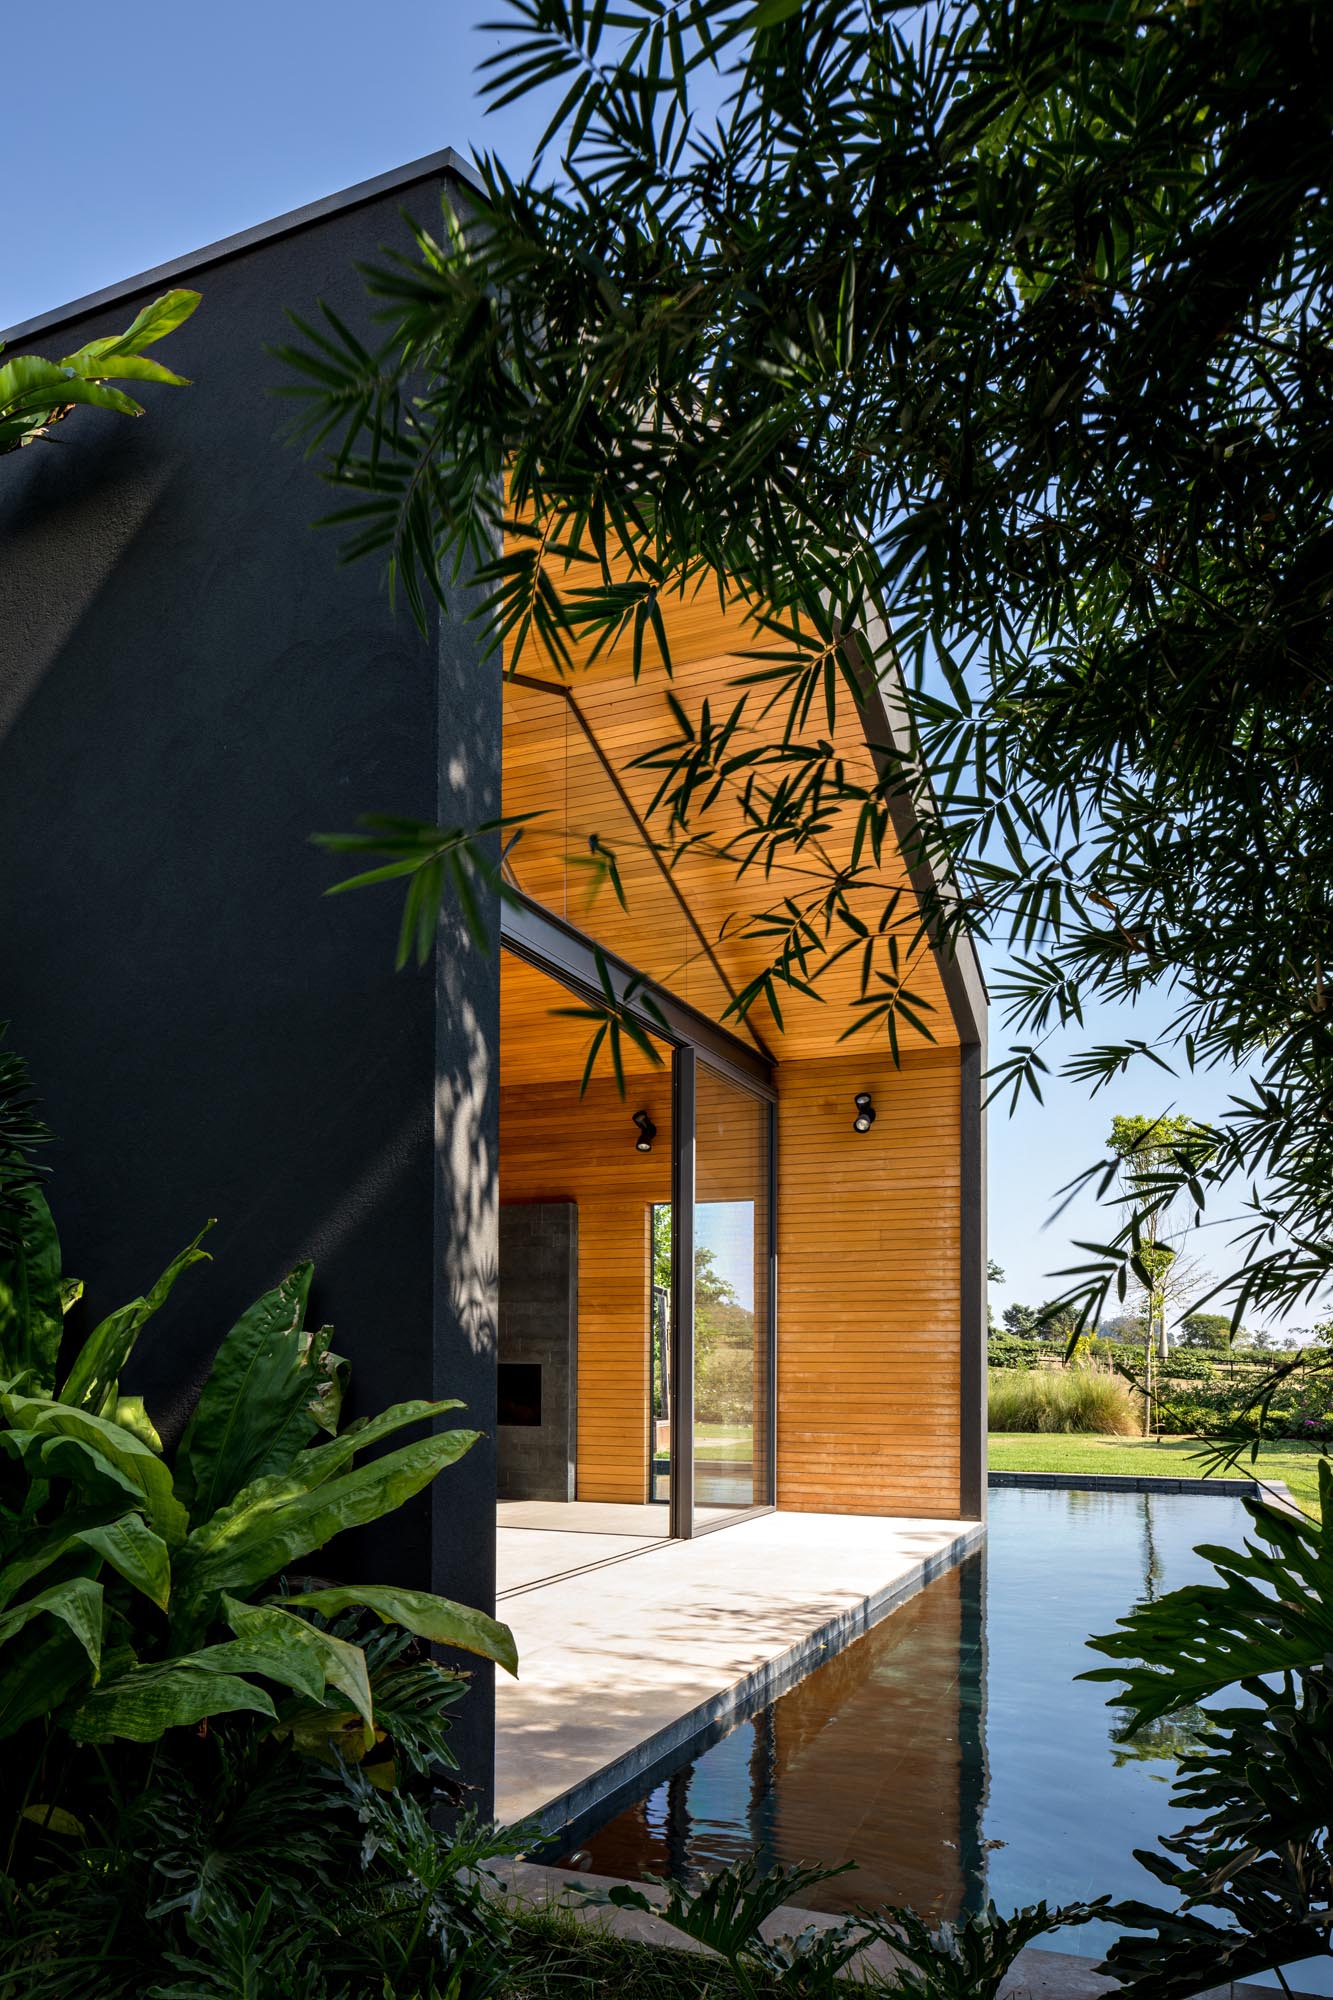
(94, 1478)
(40, 1547)
(134, 1552)
(429, 1617)
(77, 1603)
(91, 1382)
(328, 1662)
(154, 323)
(130, 1413)
(120, 1451)
(264, 1537)
(39, 1676)
(257, 1409)
(1271, 1611)
(309, 1469)
(170, 1694)
(31, 1312)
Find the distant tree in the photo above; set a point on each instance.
(1261, 1339)
(1126, 1326)
(1056, 1320)
(994, 1276)
(1208, 1330)
(1018, 1319)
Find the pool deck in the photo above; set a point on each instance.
(641, 1650)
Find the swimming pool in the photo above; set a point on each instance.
(950, 1752)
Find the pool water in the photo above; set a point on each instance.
(951, 1753)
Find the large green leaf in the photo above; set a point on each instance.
(1271, 1611)
(327, 1661)
(31, 1314)
(94, 1478)
(92, 1379)
(125, 1454)
(136, 1553)
(311, 1468)
(170, 1694)
(264, 1537)
(77, 1603)
(40, 1675)
(39, 1547)
(156, 320)
(257, 1407)
(430, 1617)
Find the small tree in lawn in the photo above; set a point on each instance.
(1148, 1152)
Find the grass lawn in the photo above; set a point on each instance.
(1168, 1458)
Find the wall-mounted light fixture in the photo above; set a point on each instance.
(648, 1132)
(865, 1111)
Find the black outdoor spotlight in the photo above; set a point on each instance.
(648, 1132)
(865, 1111)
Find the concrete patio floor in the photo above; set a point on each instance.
(623, 1663)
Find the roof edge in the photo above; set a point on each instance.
(887, 725)
(432, 166)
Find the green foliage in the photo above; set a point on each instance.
(1074, 1398)
(137, 1598)
(1207, 1330)
(970, 1960)
(727, 1913)
(232, 1858)
(1262, 1777)
(1271, 1611)
(1030, 397)
(35, 394)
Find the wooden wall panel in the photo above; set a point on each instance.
(868, 1287)
(554, 1147)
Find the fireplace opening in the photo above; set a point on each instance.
(519, 1394)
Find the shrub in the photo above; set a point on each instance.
(1063, 1399)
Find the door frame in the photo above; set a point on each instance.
(568, 956)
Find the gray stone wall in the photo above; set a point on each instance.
(539, 1244)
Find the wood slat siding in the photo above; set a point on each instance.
(868, 1287)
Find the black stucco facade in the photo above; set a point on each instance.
(190, 685)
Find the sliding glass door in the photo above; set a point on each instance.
(732, 1302)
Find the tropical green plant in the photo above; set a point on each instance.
(118, 1570)
(36, 394)
(230, 1856)
(988, 338)
(139, 1596)
(1262, 1777)
(1077, 1397)
(728, 1911)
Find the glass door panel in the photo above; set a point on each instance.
(732, 1303)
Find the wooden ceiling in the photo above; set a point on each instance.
(539, 1044)
(560, 738)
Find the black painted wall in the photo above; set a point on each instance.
(190, 685)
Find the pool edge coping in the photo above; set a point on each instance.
(1275, 1492)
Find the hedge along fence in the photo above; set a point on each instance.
(1064, 1399)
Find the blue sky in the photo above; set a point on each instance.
(122, 150)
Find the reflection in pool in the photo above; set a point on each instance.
(951, 1753)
